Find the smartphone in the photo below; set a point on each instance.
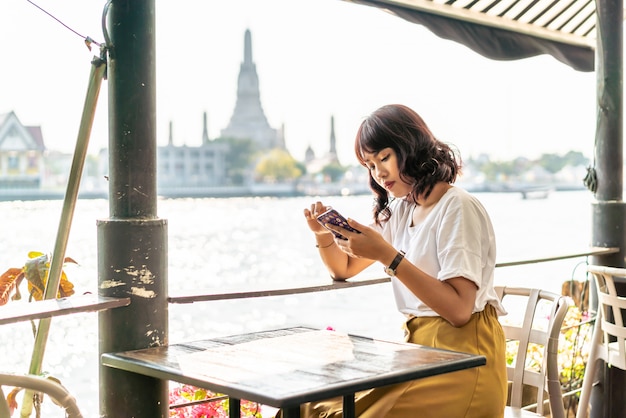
(331, 216)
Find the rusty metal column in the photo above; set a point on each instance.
(609, 211)
(132, 242)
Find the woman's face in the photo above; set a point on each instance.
(383, 167)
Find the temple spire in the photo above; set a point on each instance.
(248, 120)
(247, 48)
(333, 141)
(332, 153)
(205, 129)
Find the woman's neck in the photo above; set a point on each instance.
(439, 189)
(424, 206)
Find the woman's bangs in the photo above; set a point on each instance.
(365, 142)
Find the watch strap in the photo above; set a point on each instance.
(396, 261)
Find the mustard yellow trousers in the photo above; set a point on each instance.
(479, 392)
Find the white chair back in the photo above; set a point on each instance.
(541, 314)
(608, 341)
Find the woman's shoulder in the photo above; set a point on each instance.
(460, 194)
(457, 197)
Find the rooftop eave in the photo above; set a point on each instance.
(484, 19)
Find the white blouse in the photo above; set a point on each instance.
(455, 240)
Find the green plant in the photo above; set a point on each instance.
(36, 271)
(574, 347)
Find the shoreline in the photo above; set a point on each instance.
(7, 195)
(257, 190)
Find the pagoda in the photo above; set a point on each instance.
(248, 120)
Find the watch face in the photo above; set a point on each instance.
(389, 271)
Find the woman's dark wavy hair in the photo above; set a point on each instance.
(423, 160)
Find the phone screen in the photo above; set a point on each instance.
(331, 216)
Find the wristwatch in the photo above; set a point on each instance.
(390, 270)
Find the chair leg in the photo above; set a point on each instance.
(4, 406)
(590, 371)
(585, 393)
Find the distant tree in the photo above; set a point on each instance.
(576, 158)
(277, 165)
(498, 170)
(552, 163)
(301, 166)
(239, 158)
(334, 171)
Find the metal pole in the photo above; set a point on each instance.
(132, 242)
(609, 78)
(98, 69)
(609, 211)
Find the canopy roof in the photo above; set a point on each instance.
(508, 29)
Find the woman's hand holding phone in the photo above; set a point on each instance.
(332, 217)
(365, 242)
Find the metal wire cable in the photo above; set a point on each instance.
(88, 40)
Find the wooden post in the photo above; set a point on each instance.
(132, 242)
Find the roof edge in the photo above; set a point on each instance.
(429, 6)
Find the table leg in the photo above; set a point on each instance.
(293, 412)
(234, 408)
(349, 410)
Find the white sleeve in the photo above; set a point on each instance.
(463, 240)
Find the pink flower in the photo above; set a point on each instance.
(216, 409)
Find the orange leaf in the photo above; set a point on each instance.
(12, 401)
(10, 281)
(69, 260)
(66, 288)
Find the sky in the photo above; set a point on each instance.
(315, 59)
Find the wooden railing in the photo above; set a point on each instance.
(18, 312)
(90, 303)
(345, 284)
(593, 251)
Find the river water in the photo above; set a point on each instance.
(216, 244)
